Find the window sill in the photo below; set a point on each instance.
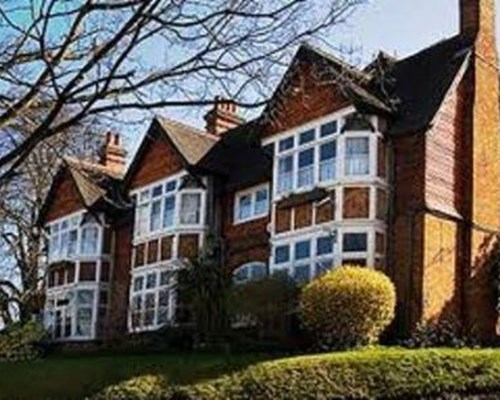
(251, 219)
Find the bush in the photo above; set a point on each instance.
(441, 333)
(137, 388)
(21, 342)
(347, 307)
(368, 374)
(265, 306)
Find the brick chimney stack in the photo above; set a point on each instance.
(477, 18)
(113, 154)
(222, 117)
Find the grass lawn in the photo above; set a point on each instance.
(77, 377)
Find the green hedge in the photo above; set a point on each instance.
(364, 374)
(385, 374)
(21, 342)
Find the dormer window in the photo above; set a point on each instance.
(251, 204)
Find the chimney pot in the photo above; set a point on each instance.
(222, 117)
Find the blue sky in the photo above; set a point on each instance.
(399, 27)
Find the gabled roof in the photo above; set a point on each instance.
(191, 143)
(95, 184)
(419, 83)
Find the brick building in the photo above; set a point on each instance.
(393, 166)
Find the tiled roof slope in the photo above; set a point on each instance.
(192, 143)
(239, 157)
(95, 182)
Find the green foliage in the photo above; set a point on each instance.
(348, 307)
(267, 304)
(439, 334)
(388, 374)
(153, 387)
(21, 342)
(203, 291)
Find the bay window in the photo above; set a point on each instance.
(152, 299)
(73, 236)
(164, 206)
(249, 271)
(357, 156)
(322, 155)
(251, 203)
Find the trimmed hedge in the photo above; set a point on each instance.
(373, 373)
(388, 374)
(348, 307)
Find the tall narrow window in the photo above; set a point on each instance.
(285, 174)
(169, 212)
(327, 161)
(155, 216)
(306, 168)
(261, 206)
(89, 242)
(357, 159)
(245, 207)
(190, 209)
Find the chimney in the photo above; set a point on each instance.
(222, 117)
(477, 17)
(113, 154)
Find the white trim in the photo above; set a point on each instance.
(252, 192)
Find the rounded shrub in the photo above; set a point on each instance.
(347, 307)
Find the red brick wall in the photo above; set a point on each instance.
(117, 320)
(243, 242)
(303, 100)
(66, 198)
(159, 160)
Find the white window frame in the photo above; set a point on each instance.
(252, 192)
(172, 293)
(140, 237)
(339, 137)
(77, 217)
(248, 268)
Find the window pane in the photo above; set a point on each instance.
(261, 202)
(302, 250)
(190, 208)
(170, 186)
(302, 273)
(241, 275)
(357, 156)
(282, 254)
(324, 265)
(244, 207)
(166, 278)
(328, 129)
(307, 136)
(142, 219)
(324, 245)
(149, 314)
(306, 168)
(355, 242)
(89, 239)
(168, 211)
(164, 303)
(138, 283)
(285, 174)
(157, 191)
(85, 297)
(258, 270)
(155, 221)
(84, 322)
(151, 281)
(327, 166)
(144, 196)
(72, 242)
(286, 144)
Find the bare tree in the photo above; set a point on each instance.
(101, 56)
(21, 201)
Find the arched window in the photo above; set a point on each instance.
(249, 271)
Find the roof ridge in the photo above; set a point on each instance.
(188, 127)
